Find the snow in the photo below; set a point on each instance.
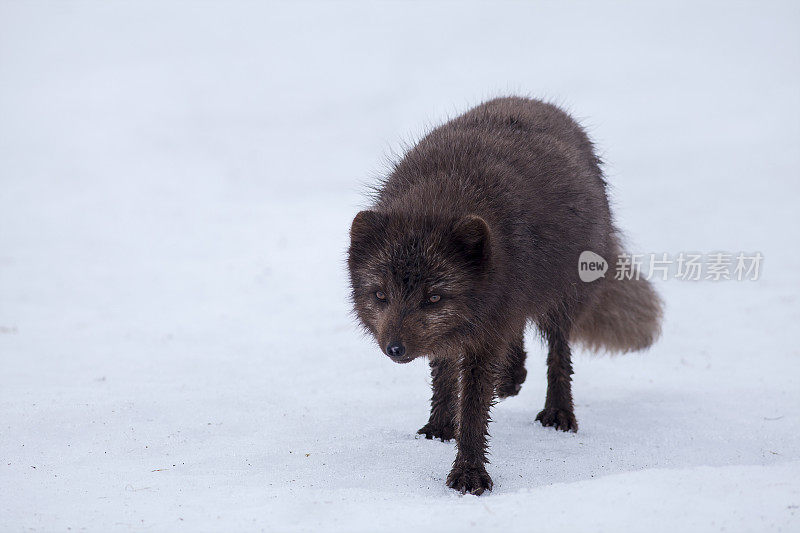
(177, 182)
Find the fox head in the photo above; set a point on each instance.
(415, 279)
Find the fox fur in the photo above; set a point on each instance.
(476, 233)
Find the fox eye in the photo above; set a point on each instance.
(380, 295)
(433, 298)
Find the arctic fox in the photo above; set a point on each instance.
(476, 232)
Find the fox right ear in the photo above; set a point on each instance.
(473, 234)
(366, 223)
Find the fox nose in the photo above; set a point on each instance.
(395, 349)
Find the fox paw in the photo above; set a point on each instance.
(511, 384)
(467, 478)
(442, 432)
(558, 418)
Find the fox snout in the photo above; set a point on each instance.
(395, 338)
(395, 349)
(397, 352)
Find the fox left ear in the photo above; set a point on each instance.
(472, 233)
(366, 223)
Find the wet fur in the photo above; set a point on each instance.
(490, 211)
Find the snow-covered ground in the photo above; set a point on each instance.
(177, 182)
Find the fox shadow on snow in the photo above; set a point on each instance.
(632, 432)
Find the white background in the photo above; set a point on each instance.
(177, 182)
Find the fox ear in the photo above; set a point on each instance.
(472, 233)
(366, 223)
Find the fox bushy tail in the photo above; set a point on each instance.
(625, 317)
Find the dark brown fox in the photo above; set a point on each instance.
(476, 232)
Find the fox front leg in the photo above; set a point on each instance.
(477, 390)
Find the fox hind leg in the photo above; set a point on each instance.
(558, 408)
(512, 373)
(441, 424)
